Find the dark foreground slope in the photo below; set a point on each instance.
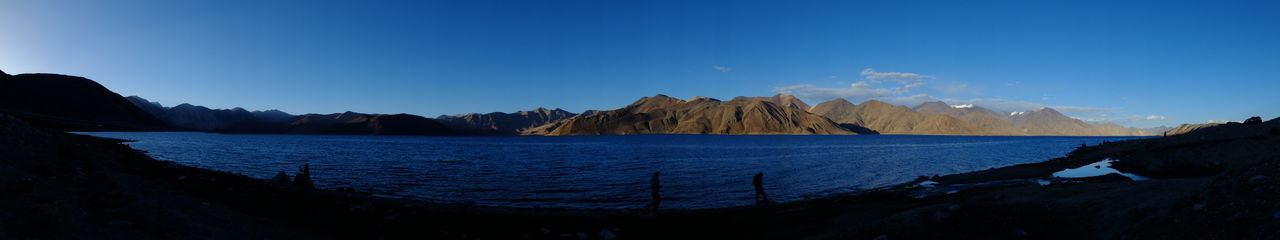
(1216, 183)
(71, 102)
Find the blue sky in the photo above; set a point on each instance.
(1143, 63)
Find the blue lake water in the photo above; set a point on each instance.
(698, 171)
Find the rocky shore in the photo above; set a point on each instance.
(1221, 182)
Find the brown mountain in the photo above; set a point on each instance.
(890, 119)
(1049, 122)
(780, 99)
(991, 122)
(661, 114)
(69, 102)
(498, 123)
(1186, 128)
(366, 124)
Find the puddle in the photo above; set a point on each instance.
(1096, 169)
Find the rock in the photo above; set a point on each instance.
(1276, 215)
(1257, 179)
(606, 234)
(280, 180)
(953, 208)
(544, 230)
(180, 178)
(1255, 120)
(1020, 233)
(303, 179)
(1275, 131)
(881, 237)
(582, 235)
(941, 216)
(1197, 207)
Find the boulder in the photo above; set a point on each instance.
(1255, 120)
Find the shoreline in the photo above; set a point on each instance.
(1098, 207)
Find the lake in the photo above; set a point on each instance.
(612, 172)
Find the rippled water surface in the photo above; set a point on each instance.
(698, 171)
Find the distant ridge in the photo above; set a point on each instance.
(199, 118)
(76, 103)
(498, 123)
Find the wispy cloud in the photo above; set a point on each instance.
(899, 77)
(1125, 119)
(721, 68)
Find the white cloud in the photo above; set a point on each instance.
(1218, 121)
(898, 77)
(1155, 117)
(721, 68)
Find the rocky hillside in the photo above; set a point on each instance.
(499, 123)
(991, 122)
(69, 102)
(1186, 128)
(661, 114)
(780, 99)
(1049, 122)
(890, 119)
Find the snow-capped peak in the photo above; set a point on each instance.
(962, 106)
(1016, 113)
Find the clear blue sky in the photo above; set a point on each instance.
(1143, 63)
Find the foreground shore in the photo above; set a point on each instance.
(1215, 183)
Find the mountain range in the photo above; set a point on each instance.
(68, 102)
(661, 114)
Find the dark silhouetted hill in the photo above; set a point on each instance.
(366, 124)
(69, 102)
(272, 115)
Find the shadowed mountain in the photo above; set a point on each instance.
(204, 119)
(154, 108)
(991, 122)
(366, 124)
(69, 102)
(199, 118)
(890, 119)
(661, 114)
(780, 99)
(498, 123)
(272, 116)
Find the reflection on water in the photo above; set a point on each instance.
(1096, 169)
(698, 171)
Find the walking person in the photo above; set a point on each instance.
(758, 181)
(654, 186)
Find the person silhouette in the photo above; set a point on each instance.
(758, 181)
(654, 186)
